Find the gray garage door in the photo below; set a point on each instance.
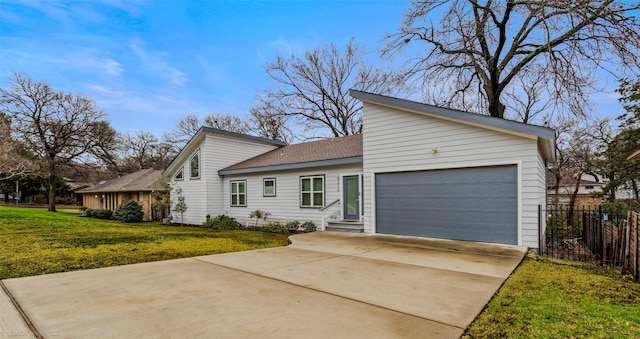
(478, 204)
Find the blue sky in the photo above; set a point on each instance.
(149, 63)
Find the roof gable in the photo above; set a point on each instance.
(195, 141)
(544, 135)
(333, 151)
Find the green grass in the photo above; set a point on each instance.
(547, 299)
(34, 241)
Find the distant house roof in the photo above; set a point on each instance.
(335, 151)
(144, 180)
(204, 130)
(546, 136)
(569, 181)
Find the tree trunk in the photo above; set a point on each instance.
(556, 196)
(496, 108)
(572, 201)
(52, 186)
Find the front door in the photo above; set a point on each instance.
(351, 197)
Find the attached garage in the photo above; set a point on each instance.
(477, 204)
(435, 172)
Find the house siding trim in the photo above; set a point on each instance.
(299, 165)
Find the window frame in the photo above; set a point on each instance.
(196, 154)
(312, 191)
(181, 172)
(237, 194)
(264, 182)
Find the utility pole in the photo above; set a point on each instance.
(17, 191)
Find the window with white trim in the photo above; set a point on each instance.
(179, 175)
(312, 191)
(239, 193)
(194, 164)
(269, 187)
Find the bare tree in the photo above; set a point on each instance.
(13, 163)
(480, 47)
(226, 122)
(314, 89)
(268, 121)
(579, 147)
(190, 124)
(108, 145)
(526, 98)
(58, 127)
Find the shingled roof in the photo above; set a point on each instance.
(144, 180)
(340, 150)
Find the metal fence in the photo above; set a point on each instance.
(607, 238)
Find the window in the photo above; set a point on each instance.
(239, 193)
(588, 187)
(269, 187)
(194, 162)
(312, 191)
(179, 175)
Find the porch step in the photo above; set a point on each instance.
(345, 226)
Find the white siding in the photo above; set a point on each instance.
(204, 195)
(396, 140)
(285, 206)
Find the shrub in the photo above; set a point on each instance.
(309, 226)
(130, 211)
(88, 212)
(615, 207)
(259, 214)
(275, 227)
(101, 214)
(221, 223)
(293, 226)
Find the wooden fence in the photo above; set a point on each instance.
(616, 246)
(594, 236)
(631, 245)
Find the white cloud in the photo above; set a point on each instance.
(87, 60)
(111, 67)
(138, 50)
(156, 62)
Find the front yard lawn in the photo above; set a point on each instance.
(34, 241)
(546, 299)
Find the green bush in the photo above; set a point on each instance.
(88, 212)
(293, 225)
(101, 214)
(309, 226)
(275, 227)
(616, 208)
(130, 211)
(221, 223)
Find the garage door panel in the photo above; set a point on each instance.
(477, 204)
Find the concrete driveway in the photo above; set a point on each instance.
(324, 285)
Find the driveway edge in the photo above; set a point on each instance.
(20, 311)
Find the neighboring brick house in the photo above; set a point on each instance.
(112, 193)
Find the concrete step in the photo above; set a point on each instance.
(345, 226)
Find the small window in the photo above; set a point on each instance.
(312, 191)
(269, 187)
(239, 193)
(588, 187)
(194, 162)
(179, 175)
